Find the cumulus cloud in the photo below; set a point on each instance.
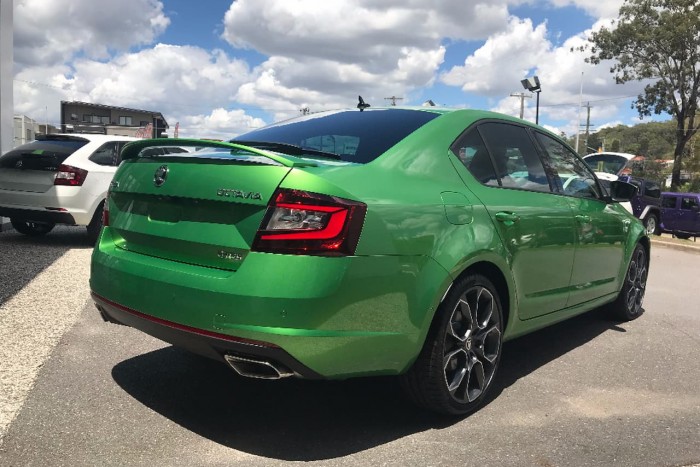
(175, 80)
(595, 8)
(50, 33)
(219, 124)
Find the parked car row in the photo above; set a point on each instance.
(674, 213)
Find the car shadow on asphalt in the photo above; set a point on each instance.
(23, 258)
(315, 420)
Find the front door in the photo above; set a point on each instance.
(601, 228)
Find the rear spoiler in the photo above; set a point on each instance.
(133, 149)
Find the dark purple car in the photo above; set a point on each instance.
(680, 214)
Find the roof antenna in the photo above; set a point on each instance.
(362, 105)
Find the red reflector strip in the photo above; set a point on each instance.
(180, 327)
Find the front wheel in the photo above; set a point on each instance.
(456, 367)
(651, 224)
(628, 305)
(31, 228)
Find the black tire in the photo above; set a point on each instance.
(682, 236)
(31, 228)
(628, 305)
(95, 225)
(651, 224)
(460, 357)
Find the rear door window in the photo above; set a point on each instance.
(689, 203)
(668, 202)
(44, 155)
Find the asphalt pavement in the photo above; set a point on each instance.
(77, 391)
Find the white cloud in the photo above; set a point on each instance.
(50, 33)
(219, 124)
(595, 8)
(175, 80)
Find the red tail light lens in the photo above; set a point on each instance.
(71, 176)
(299, 222)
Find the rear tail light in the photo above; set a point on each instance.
(71, 176)
(299, 222)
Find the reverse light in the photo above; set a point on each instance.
(70, 176)
(299, 222)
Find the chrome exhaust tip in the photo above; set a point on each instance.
(253, 368)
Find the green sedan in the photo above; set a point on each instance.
(398, 241)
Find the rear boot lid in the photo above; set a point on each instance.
(200, 208)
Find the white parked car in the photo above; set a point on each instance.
(58, 179)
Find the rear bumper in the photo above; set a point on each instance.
(208, 344)
(335, 317)
(47, 216)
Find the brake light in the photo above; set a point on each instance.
(71, 176)
(299, 222)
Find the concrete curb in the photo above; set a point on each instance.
(695, 247)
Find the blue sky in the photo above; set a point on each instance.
(221, 68)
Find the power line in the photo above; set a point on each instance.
(593, 100)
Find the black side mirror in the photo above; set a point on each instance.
(622, 191)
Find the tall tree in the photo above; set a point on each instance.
(657, 41)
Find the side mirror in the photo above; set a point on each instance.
(622, 191)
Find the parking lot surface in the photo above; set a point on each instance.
(589, 391)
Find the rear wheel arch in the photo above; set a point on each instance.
(496, 276)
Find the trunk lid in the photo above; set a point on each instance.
(32, 167)
(195, 209)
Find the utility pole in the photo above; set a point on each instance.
(304, 110)
(588, 125)
(522, 97)
(393, 100)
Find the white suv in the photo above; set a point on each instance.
(58, 179)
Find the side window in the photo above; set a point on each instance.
(471, 150)
(518, 165)
(652, 190)
(668, 202)
(574, 175)
(107, 154)
(689, 203)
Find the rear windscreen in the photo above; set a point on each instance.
(352, 135)
(40, 155)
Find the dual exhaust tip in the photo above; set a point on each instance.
(255, 368)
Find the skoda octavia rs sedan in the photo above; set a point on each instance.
(58, 179)
(398, 241)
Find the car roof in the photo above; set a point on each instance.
(626, 155)
(89, 137)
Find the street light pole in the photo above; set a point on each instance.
(533, 85)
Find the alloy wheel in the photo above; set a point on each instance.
(636, 281)
(472, 344)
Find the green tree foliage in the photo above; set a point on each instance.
(657, 41)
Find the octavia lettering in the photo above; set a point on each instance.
(234, 193)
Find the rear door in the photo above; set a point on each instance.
(535, 226)
(689, 214)
(670, 212)
(193, 208)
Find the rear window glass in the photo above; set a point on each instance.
(40, 154)
(353, 135)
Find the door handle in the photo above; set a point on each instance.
(508, 218)
(583, 219)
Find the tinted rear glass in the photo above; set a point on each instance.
(353, 135)
(40, 154)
